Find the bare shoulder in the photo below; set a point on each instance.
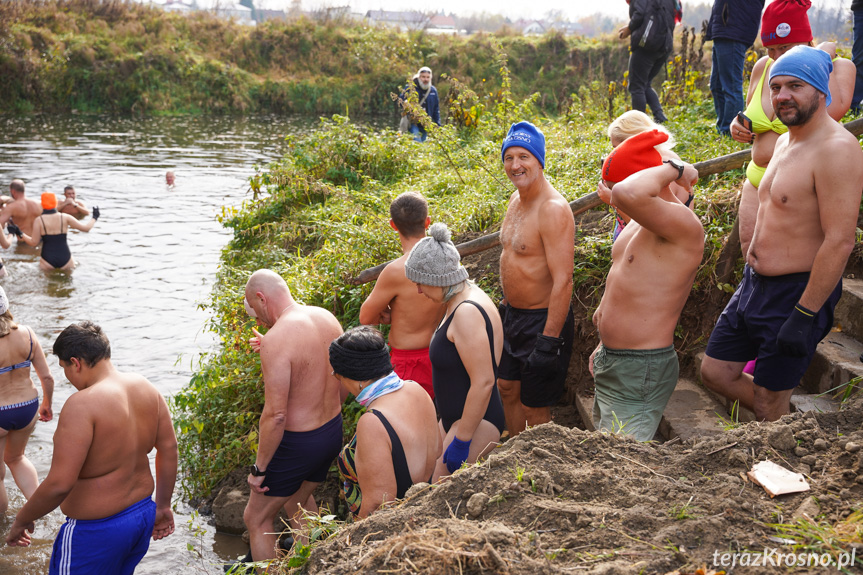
(395, 270)
(758, 68)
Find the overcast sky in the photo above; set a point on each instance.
(533, 9)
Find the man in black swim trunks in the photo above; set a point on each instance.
(538, 238)
(301, 425)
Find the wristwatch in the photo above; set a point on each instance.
(255, 472)
(676, 164)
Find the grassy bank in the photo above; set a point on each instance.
(319, 216)
(111, 56)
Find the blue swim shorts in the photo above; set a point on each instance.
(750, 323)
(303, 456)
(110, 546)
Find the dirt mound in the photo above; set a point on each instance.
(558, 500)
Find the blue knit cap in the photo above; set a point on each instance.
(525, 135)
(811, 65)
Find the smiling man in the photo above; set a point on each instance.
(538, 237)
(809, 200)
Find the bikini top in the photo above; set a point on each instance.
(755, 112)
(347, 467)
(25, 363)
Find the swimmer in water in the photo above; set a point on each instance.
(55, 249)
(71, 204)
(169, 179)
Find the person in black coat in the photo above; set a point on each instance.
(650, 29)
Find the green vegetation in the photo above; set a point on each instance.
(320, 215)
(113, 56)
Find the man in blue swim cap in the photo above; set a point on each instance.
(809, 200)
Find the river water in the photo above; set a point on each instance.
(143, 270)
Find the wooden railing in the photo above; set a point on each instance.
(591, 200)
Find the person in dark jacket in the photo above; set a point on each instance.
(650, 29)
(428, 99)
(733, 27)
(857, 57)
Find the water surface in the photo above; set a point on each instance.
(143, 270)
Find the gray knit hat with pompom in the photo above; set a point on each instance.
(435, 261)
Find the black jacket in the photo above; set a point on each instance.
(737, 20)
(651, 24)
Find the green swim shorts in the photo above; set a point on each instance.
(632, 388)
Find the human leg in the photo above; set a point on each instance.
(4, 497)
(640, 64)
(513, 410)
(728, 56)
(652, 98)
(258, 516)
(857, 58)
(22, 469)
(728, 379)
(771, 405)
(298, 506)
(540, 389)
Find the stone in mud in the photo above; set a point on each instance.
(228, 511)
(476, 504)
(782, 438)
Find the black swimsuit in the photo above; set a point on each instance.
(451, 380)
(55, 249)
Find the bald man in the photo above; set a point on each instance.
(22, 211)
(301, 425)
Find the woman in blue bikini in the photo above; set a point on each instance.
(19, 400)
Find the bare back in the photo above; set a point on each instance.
(796, 198)
(23, 212)
(413, 317)
(524, 267)
(301, 339)
(15, 384)
(647, 286)
(118, 422)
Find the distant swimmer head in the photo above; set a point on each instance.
(633, 155)
(49, 201)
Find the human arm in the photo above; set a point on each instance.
(255, 341)
(639, 196)
(166, 471)
(558, 240)
(841, 85)
(5, 240)
(373, 463)
(475, 354)
(375, 310)
(434, 108)
(43, 372)
(73, 222)
(637, 13)
(72, 442)
(35, 237)
(276, 369)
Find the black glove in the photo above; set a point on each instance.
(96, 212)
(794, 335)
(13, 229)
(543, 358)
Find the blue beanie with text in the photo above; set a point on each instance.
(525, 135)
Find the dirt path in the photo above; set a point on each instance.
(560, 500)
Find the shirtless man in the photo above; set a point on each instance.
(301, 425)
(71, 204)
(538, 238)
(22, 211)
(394, 300)
(100, 474)
(654, 261)
(808, 203)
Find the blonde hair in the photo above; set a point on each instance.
(7, 323)
(632, 123)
